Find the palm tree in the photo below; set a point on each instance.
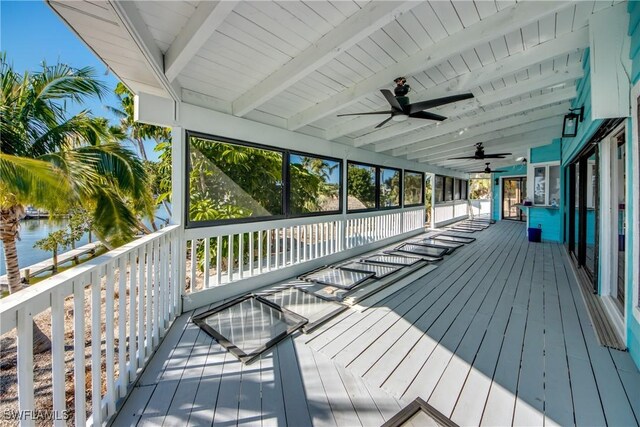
(55, 161)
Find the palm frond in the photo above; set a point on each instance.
(113, 220)
(35, 182)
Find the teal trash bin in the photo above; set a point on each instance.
(535, 234)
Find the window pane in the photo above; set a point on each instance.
(439, 188)
(389, 188)
(361, 187)
(315, 185)
(448, 188)
(229, 181)
(539, 186)
(463, 190)
(554, 185)
(456, 189)
(413, 188)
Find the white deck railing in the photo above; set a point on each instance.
(118, 307)
(227, 254)
(111, 312)
(452, 211)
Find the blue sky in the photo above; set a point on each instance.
(31, 32)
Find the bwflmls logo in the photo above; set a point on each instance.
(34, 415)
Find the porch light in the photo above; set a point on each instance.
(570, 123)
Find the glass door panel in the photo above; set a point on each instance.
(620, 160)
(514, 191)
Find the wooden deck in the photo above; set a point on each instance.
(497, 335)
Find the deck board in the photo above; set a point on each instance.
(498, 334)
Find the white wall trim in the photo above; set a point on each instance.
(635, 183)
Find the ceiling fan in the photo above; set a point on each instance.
(401, 112)
(480, 155)
(487, 170)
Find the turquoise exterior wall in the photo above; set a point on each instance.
(633, 325)
(496, 193)
(571, 146)
(546, 153)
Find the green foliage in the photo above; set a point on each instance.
(55, 240)
(427, 197)
(361, 184)
(479, 188)
(389, 188)
(56, 162)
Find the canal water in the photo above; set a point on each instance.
(32, 230)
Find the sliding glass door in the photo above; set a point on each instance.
(514, 191)
(583, 211)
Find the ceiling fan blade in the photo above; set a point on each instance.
(384, 122)
(428, 116)
(366, 114)
(425, 105)
(478, 171)
(493, 156)
(498, 171)
(391, 99)
(499, 154)
(463, 158)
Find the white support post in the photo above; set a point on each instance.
(178, 197)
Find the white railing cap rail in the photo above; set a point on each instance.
(247, 227)
(38, 297)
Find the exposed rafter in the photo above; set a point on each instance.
(369, 19)
(502, 22)
(565, 44)
(468, 140)
(520, 119)
(132, 22)
(479, 119)
(203, 23)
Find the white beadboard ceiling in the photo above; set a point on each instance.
(297, 64)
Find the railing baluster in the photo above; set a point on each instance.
(78, 351)
(57, 355)
(251, 254)
(259, 251)
(291, 246)
(207, 262)
(24, 326)
(96, 339)
(157, 295)
(109, 340)
(268, 243)
(241, 254)
(230, 260)
(297, 244)
(194, 263)
(277, 234)
(219, 260)
(122, 326)
(149, 301)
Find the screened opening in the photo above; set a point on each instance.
(361, 186)
(390, 188)
(314, 184)
(228, 180)
(448, 189)
(451, 238)
(456, 189)
(439, 243)
(413, 188)
(439, 188)
(392, 259)
(422, 250)
(463, 189)
(249, 325)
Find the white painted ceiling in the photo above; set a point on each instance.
(297, 64)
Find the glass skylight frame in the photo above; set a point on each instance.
(351, 267)
(308, 277)
(418, 405)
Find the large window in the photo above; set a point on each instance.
(439, 189)
(231, 181)
(413, 188)
(361, 186)
(463, 189)
(390, 187)
(448, 188)
(314, 184)
(546, 185)
(456, 189)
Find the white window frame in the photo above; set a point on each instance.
(531, 167)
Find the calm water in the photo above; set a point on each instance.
(32, 230)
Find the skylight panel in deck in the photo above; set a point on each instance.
(247, 326)
(439, 243)
(392, 259)
(422, 257)
(452, 238)
(379, 270)
(422, 250)
(339, 278)
(316, 309)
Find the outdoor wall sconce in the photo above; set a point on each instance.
(570, 123)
